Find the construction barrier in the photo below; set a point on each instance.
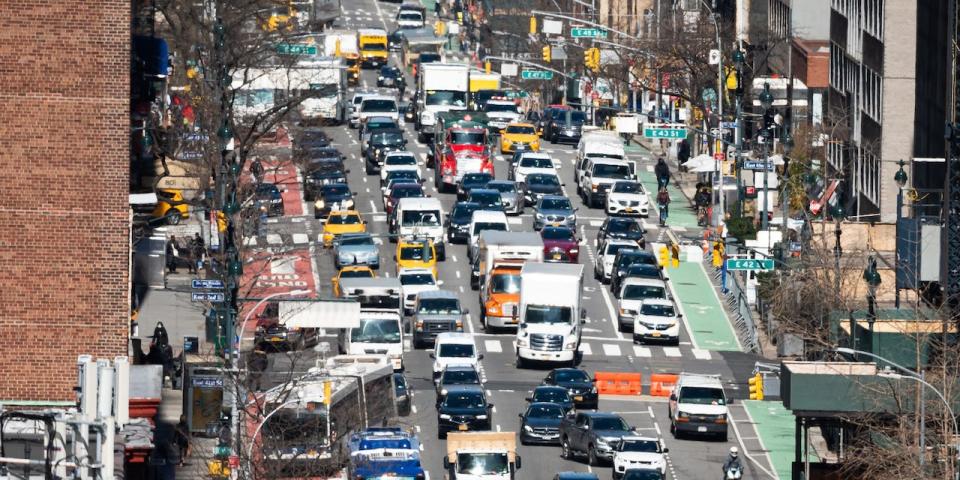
(661, 384)
(615, 383)
(605, 382)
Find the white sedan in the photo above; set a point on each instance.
(412, 282)
(399, 161)
(627, 197)
(533, 163)
(603, 266)
(641, 453)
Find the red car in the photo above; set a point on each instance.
(465, 150)
(560, 244)
(401, 190)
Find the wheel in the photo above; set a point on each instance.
(421, 137)
(520, 362)
(174, 216)
(367, 169)
(417, 343)
(596, 276)
(673, 430)
(442, 254)
(592, 459)
(565, 451)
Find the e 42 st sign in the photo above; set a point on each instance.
(750, 264)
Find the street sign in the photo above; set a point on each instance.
(207, 297)
(749, 264)
(211, 284)
(296, 49)
(757, 165)
(580, 32)
(718, 156)
(536, 75)
(728, 124)
(669, 131)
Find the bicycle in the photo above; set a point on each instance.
(702, 215)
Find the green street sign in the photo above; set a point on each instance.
(668, 133)
(296, 49)
(578, 32)
(749, 264)
(536, 75)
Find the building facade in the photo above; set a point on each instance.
(64, 214)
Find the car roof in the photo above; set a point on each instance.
(419, 202)
(414, 271)
(553, 197)
(379, 118)
(502, 182)
(456, 337)
(644, 281)
(536, 155)
(549, 387)
(637, 438)
(379, 97)
(617, 241)
(601, 414)
(464, 388)
(489, 216)
(438, 294)
(483, 191)
(576, 476)
(459, 367)
(698, 380)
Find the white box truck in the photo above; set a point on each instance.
(550, 313)
(323, 81)
(441, 87)
(481, 456)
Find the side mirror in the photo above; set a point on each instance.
(666, 450)
(432, 356)
(583, 313)
(480, 357)
(529, 399)
(489, 405)
(576, 209)
(466, 311)
(673, 398)
(520, 415)
(729, 401)
(346, 171)
(446, 462)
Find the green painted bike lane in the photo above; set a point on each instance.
(775, 429)
(679, 214)
(705, 317)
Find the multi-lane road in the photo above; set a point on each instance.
(296, 237)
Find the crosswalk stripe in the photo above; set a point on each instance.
(250, 241)
(671, 351)
(301, 238)
(596, 223)
(611, 350)
(493, 346)
(585, 349)
(274, 238)
(642, 351)
(701, 354)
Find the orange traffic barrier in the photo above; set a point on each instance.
(605, 382)
(629, 383)
(661, 384)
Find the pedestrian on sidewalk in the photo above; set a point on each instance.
(663, 173)
(436, 7)
(181, 434)
(172, 252)
(256, 168)
(257, 364)
(663, 202)
(199, 251)
(683, 152)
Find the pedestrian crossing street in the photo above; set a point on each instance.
(611, 348)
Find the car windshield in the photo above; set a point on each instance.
(267, 191)
(351, 240)
(643, 270)
(460, 377)
(370, 126)
(645, 446)
(476, 179)
(570, 117)
(628, 226)
(502, 187)
(613, 248)
(639, 292)
(555, 204)
(417, 278)
(407, 192)
(521, 129)
(479, 465)
(606, 170)
(545, 411)
(400, 160)
(387, 138)
(351, 62)
(467, 138)
(551, 395)
(356, 273)
(400, 384)
(497, 226)
(379, 106)
(701, 396)
(546, 314)
(558, 234)
(338, 190)
(390, 71)
(626, 187)
(421, 218)
(410, 16)
(414, 252)
(465, 400)
(657, 310)
(439, 306)
(485, 199)
(545, 180)
(351, 219)
(456, 350)
(536, 162)
(463, 213)
(445, 97)
(501, 107)
(429, 58)
(376, 330)
(404, 174)
(505, 283)
(610, 423)
(374, 46)
(572, 376)
(483, 96)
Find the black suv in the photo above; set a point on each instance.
(464, 408)
(458, 221)
(319, 173)
(621, 228)
(624, 259)
(381, 142)
(455, 375)
(334, 196)
(578, 383)
(390, 77)
(565, 126)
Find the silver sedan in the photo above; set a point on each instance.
(510, 196)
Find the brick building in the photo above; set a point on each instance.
(64, 221)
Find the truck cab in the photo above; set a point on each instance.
(481, 456)
(373, 293)
(462, 151)
(550, 313)
(373, 47)
(501, 256)
(698, 406)
(380, 333)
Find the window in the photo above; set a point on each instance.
(872, 94)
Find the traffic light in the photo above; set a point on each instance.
(533, 25)
(664, 259)
(675, 254)
(546, 53)
(717, 254)
(756, 387)
(591, 58)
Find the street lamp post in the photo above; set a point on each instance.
(766, 100)
(738, 61)
(872, 277)
(901, 178)
(919, 378)
(787, 142)
(838, 213)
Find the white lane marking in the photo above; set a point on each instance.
(417, 427)
(457, 272)
(365, 181)
(701, 354)
(469, 323)
(300, 238)
(373, 206)
(461, 288)
(596, 223)
(274, 239)
(498, 427)
(671, 351)
(650, 411)
(656, 426)
(454, 257)
(611, 349)
(585, 349)
(612, 311)
(493, 346)
(642, 351)
(368, 188)
(413, 408)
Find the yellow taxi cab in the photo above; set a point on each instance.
(277, 17)
(353, 68)
(519, 136)
(340, 222)
(170, 206)
(351, 271)
(417, 254)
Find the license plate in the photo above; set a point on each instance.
(557, 256)
(276, 339)
(656, 334)
(701, 429)
(463, 428)
(578, 398)
(629, 210)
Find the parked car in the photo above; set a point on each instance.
(594, 434)
(540, 423)
(560, 244)
(356, 249)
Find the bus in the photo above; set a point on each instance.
(306, 424)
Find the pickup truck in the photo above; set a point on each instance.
(594, 434)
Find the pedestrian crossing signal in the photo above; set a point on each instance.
(756, 387)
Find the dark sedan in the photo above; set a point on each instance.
(560, 245)
(335, 196)
(471, 181)
(381, 142)
(318, 174)
(626, 258)
(401, 394)
(458, 221)
(552, 394)
(540, 423)
(465, 408)
(537, 185)
(390, 77)
(487, 198)
(578, 383)
(269, 199)
(621, 228)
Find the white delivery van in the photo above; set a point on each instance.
(484, 220)
(420, 218)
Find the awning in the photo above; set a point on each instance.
(150, 56)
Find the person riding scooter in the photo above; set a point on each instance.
(732, 468)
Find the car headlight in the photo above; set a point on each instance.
(539, 216)
(574, 250)
(572, 218)
(594, 187)
(571, 344)
(380, 78)
(443, 392)
(348, 203)
(481, 417)
(523, 342)
(528, 428)
(444, 416)
(593, 390)
(602, 443)
(319, 204)
(683, 415)
(627, 311)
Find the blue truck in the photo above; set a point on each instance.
(387, 452)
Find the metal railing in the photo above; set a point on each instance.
(741, 312)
